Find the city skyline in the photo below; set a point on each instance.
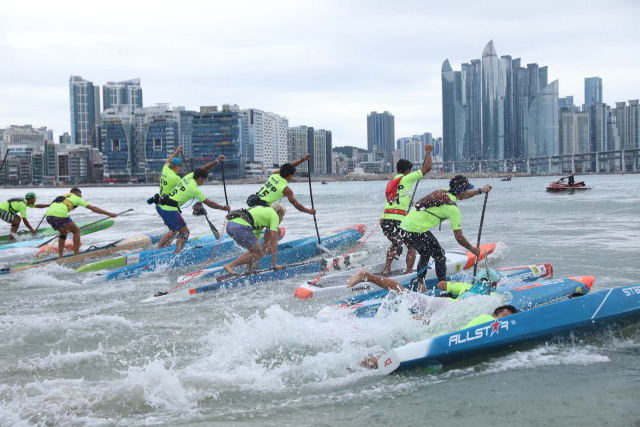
(261, 66)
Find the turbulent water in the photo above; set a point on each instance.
(74, 354)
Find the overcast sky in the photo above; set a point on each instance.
(324, 64)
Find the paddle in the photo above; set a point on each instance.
(85, 226)
(484, 207)
(224, 184)
(184, 161)
(4, 160)
(322, 248)
(199, 210)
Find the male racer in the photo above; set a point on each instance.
(13, 210)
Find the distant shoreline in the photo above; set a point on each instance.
(330, 178)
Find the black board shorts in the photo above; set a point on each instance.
(392, 231)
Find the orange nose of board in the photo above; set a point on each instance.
(303, 293)
(471, 258)
(586, 280)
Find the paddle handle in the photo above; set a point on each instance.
(312, 207)
(183, 159)
(484, 208)
(413, 195)
(4, 160)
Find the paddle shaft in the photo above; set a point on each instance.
(416, 187)
(224, 184)
(484, 207)
(85, 226)
(4, 160)
(183, 159)
(314, 215)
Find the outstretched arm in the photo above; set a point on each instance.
(428, 161)
(306, 158)
(465, 243)
(470, 193)
(209, 166)
(271, 246)
(174, 155)
(26, 223)
(214, 205)
(296, 204)
(40, 205)
(100, 211)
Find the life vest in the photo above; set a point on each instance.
(166, 200)
(391, 194)
(241, 214)
(65, 199)
(437, 198)
(16, 199)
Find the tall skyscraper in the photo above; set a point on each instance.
(565, 102)
(598, 117)
(85, 111)
(128, 92)
(118, 136)
(275, 139)
(485, 107)
(574, 132)
(381, 133)
(592, 90)
(542, 132)
(254, 134)
(320, 152)
(329, 153)
(219, 132)
(300, 141)
(493, 91)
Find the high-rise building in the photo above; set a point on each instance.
(329, 152)
(493, 92)
(128, 92)
(25, 136)
(574, 132)
(275, 139)
(381, 133)
(85, 111)
(542, 132)
(592, 91)
(220, 132)
(254, 134)
(186, 129)
(628, 123)
(613, 138)
(598, 117)
(300, 141)
(565, 102)
(486, 106)
(319, 153)
(118, 136)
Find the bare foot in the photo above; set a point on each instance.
(228, 268)
(359, 277)
(410, 271)
(371, 363)
(385, 273)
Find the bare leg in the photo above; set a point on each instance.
(14, 229)
(61, 242)
(181, 240)
(254, 254)
(166, 239)
(383, 282)
(391, 254)
(71, 227)
(411, 259)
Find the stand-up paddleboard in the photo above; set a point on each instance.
(457, 260)
(161, 255)
(290, 252)
(586, 314)
(229, 281)
(89, 228)
(130, 243)
(367, 305)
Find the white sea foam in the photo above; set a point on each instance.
(57, 360)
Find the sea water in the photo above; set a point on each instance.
(76, 355)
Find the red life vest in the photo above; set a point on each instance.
(391, 192)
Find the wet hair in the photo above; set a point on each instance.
(458, 184)
(200, 173)
(403, 165)
(278, 208)
(511, 309)
(76, 191)
(286, 170)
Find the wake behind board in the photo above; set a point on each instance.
(41, 237)
(586, 315)
(457, 260)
